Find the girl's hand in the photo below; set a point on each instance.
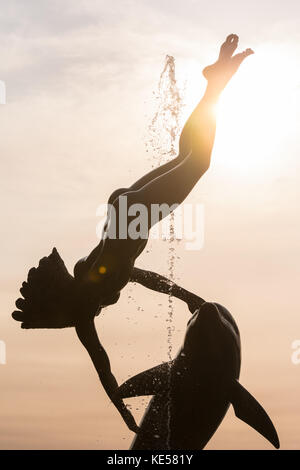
(129, 420)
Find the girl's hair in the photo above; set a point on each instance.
(48, 295)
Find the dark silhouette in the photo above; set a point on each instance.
(193, 392)
(54, 299)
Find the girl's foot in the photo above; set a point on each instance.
(219, 73)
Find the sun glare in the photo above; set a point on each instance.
(256, 112)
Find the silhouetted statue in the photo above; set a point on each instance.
(55, 299)
(192, 393)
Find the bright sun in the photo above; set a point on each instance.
(257, 111)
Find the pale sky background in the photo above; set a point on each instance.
(80, 77)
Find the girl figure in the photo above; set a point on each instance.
(52, 298)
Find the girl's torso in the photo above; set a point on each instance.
(110, 264)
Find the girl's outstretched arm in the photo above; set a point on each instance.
(159, 283)
(88, 336)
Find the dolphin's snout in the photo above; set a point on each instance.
(209, 314)
(204, 326)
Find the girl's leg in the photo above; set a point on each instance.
(156, 173)
(171, 183)
(217, 75)
(197, 137)
(147, 178)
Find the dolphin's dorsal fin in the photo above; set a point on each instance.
(248, 409)
(150, 382)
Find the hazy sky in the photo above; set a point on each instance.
(80, 78)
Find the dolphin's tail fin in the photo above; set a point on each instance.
(150, 382)
(248, 409)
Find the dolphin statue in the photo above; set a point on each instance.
(192, 393)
